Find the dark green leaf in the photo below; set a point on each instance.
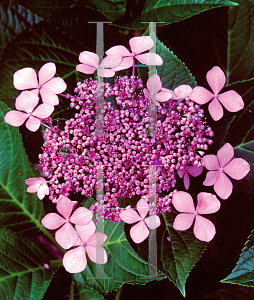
(79, 292)
(181, 254)
(22, 272)
(243, 273)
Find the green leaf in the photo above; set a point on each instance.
(243, 273)
(181, 254)
(79, 292)
(173, 72)
(22, 272)
(20, 211)
(168, 12)
(14, 19)
(123, 266)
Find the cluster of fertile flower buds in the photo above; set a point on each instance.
(219, 167)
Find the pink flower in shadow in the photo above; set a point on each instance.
(75, 260)
(39, 185)
(66, 236)
(140, 231)
(204, 230)
(231, 100)
(222, 165)
(192, 170)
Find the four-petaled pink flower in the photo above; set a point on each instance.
(204, 230)
(27, 101)
(231, 100)
(75, 260)
(138, 45)
(39, 185)
(48, 86)
(181, 92)
(66, 236)
(154, 85)
(192, 170)
(140, 231)
(90, 63)
(221, 165)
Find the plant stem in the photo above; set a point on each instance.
(118, 294)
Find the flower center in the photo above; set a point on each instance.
(222, 170)
(39, 86)
(83, 244)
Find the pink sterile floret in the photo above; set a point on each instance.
(181, 92)
(138, 45)
(27, 101)
(192, 170)
(90, 63)
(66, 236)
(48, 86)
(75, 260)
(231, 100)
(221, 165)
(140, 231)
(39, 185)
(154, 85)
(204, 229)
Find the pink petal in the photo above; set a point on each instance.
(204, 230)
(183, 221)
(97, 255)
(142, 207)
(105, 73)
(153, 222)
(194, 170)
(207, 203)
(35, 180)
(118, 50)
(26, 101)
(211, 178)
(151, 59)
(145, 91)
(183, 91)
(211, 162)
(52, 221)
(215, 109)
(74, 261)
(225, 154)
(49, 97)
(183, 202)
(89, 58)
(25, 78)
(140, 44)
(43, 111)
(111, 61)
(66, 236)
(86, 231)
(216, 79)
(33, 124)
(96, 239)
(237, 168)
(42, 191)
(15, 118)
(64, 206)
(223, 186)
(181, 172)
(33, 188)
(186, 181)
(47, 72)
(231, 101)
(154, 84)
(129, 216)
(164, 96)
(126, 63)
(81, 216)
(139, 232)
(201, 95)
(85, 69)
(56, 85)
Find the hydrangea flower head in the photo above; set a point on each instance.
(66, 236)
(204, 230)
(154, 85)
(39, 185)
(138, 45)
(140, 231)
(26, 102)
(222, 165)
(48, 86)
(231, 100)
(90, 63)
(75, 260)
